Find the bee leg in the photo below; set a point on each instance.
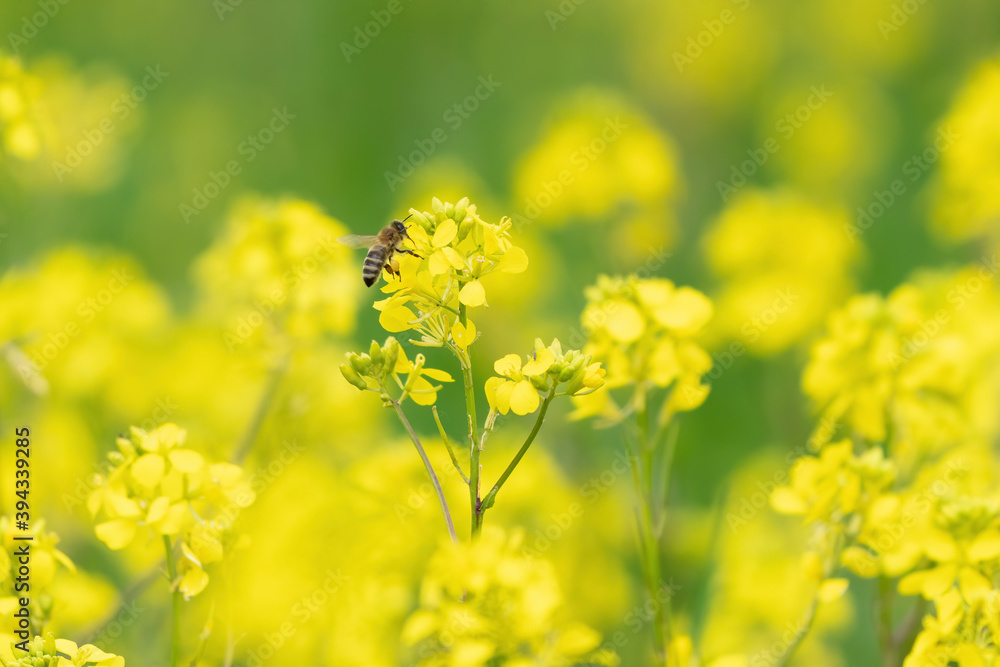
(409, 252)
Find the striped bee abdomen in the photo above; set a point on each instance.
(373, 264)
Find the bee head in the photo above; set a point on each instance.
(400, 227)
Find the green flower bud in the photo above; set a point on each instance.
(420, 219)
(465, 226)
(539, 382)
(572, 369)
(575, 383)
(361, 363)
(390, 352)
(375, 352)
(353, 377)
(449, 212)
(461, 209)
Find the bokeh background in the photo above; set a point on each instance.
(762, 151)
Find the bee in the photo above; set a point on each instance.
(382, 246)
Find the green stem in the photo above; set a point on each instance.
(476, 447)
(886, 593)
(447, 444)
(649, 537)
(491, 496)
(261, 411)
(430, 470)
(801, 633)
(175, 642)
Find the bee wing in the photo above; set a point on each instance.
(357, 240)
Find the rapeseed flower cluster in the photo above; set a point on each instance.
(644, 332)
(783, 262)
(599, 159)
(161, 486)
(276, 270)
(48, 651)
(905, 381)
(19, 132)
(487, 602)
(967, 203)
(45, 560)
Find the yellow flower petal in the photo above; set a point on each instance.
(472, 294)
(438, 264)
(445, 233)
(543, 359)
(663, 364)
(423, 392)
(396, 318)
(66, 646)
(686, 312)
(787, 501)
(524, 398)
(148, 469)
(832, 589)
(508, 365)
(514, 260)
(974, 586)
(986, 546)
(463, 335)
(624, 321)
(186, 460)
(157, 509)
(193, 582)
(116, 533)
(436, 374)
(502, 395)
(178, 516)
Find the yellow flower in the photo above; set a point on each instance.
(834, 485)
(521, 387)
(643, 332)
(159, 484)
(486, 602)
(277, 268)
(54, 652)
(601, 160)
(965, 545)
(457, 250)
(784, 262)
(968, 142)
(907, 367)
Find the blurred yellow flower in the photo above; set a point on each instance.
(160, 485)
(600, 159)
(784, 262)
(968, 199)
(52, 652)
(277, 269)
(486, 602)
(643, 332)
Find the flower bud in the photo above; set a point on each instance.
(353, 377)
(539, 382)
(420, 219)
(461, 208)
(390, 352)
(375, 352)
(361, 363)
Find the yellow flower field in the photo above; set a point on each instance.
(500, 335)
